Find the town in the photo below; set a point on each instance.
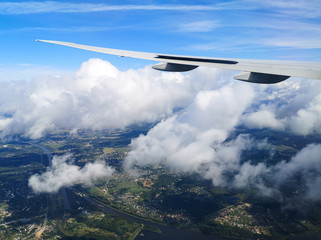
(123, 206)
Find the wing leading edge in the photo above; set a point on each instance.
(257, 71)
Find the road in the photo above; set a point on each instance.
(63, 189)
(20, 220)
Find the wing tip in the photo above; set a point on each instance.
(41, 40)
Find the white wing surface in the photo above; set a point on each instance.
(257, 71)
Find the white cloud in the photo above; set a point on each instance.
(198, 26)
(307, 120)
(305, 165)
(33, 7)
(294, 41)
(98, 96)
(294, 105)
(182, 148)
(302, 8)
(63, 173)
(195, 140)
(263, 119)
(249, 175)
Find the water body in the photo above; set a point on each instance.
(168, 232)
(311, 236)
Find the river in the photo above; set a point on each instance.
(168, 232)
(310, 236)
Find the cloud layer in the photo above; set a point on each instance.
(196, 114)
(197, 140)
(98, 96)
(285, 7)
(194, 141)
(34, 7)
(63, 173)
(293, 106)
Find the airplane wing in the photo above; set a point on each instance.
(257, 71)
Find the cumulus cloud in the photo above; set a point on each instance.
(63, 173)
(98, 96)
(301, 173)
(307, 120)
(195, 140)
(198, 140)
(293, 106)
(263, 119)
(221, 162)
(304, 166)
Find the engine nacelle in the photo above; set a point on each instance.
(173, 67)
(264, 78)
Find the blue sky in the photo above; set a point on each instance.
(286, 30)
